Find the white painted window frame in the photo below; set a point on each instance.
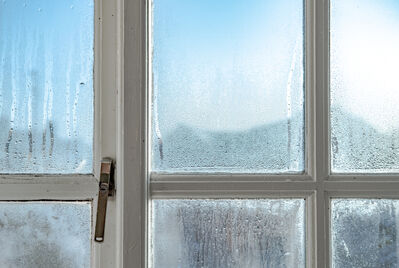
(317, 186)
(78, 187)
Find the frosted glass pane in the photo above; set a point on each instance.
(45, 234)
(228, 233)
(364, 86)
(228, 87)
(46, 86)
(364, 233)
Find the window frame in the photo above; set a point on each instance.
(106, 136)
(317, 185)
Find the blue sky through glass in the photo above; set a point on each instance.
(46, 86)
(227, 68)
(364, 59)
(226, 53)
(364, 86)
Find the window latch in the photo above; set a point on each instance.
(106, 188)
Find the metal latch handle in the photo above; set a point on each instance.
(106, 188)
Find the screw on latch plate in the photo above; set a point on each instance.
(106, 188)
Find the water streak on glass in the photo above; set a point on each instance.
(46, 86)
(228, 233)
(45, 234)
(365, 233)
(228, 87)
(364, 86)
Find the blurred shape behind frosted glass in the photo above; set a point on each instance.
(228, 233)
(45, 234)
(46, 86)
(364, 86)
(228, 89)
(364, 233)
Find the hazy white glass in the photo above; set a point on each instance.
(228, 87)
(364, 87)
(45, 234)
(228, 233)
(46, 86)
(364, 233)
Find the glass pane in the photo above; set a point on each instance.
(45, 234)
(364, 86)
(228, 233)
(228, 87)
(364, 233)
(46, 86)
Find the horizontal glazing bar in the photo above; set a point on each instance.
(204, 189)
(66, 189)
(364, 177)
(50, 179)
(232, 189)
(228, 177)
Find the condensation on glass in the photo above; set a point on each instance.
(364, 86)
(228, 233)
(228, 86)
(364, 233)
(45, 234)
(46, 86)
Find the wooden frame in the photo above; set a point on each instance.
(317, 185)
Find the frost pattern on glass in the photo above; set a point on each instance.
(364, 86)
(45, 234)
(46, 86)
(228, 87)
(364, 233)
(228, 233)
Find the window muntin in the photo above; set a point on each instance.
(364, 89)
(228, 86)
(46, 86)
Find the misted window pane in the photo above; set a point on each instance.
(228, 233)
(364, 233)
(364, 86)
(228, 87)
(45, 234)
(46, 86)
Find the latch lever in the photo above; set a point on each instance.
(106, 188)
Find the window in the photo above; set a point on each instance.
(58, 120)
(280, 147)
(209, 174)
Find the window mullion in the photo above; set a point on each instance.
(133, 112)
(321, 130)
(321, 91)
